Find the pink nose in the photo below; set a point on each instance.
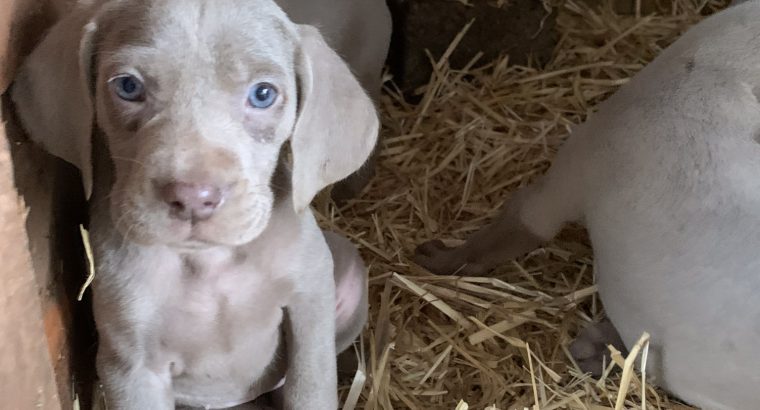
(191, 202)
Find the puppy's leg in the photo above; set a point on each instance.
(590, 350)
(309, 327)
(532, 216)
(129, 386)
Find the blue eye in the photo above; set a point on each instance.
(128, 87)
(262, 95)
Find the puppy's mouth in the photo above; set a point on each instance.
(194, 244)
(149, 222)
(189, 235)
(199, 235)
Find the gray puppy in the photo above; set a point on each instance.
(213, 281)
(665, 177)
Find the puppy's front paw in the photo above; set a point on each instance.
(590, 350)
(440, 259)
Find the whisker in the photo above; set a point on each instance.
(127, 213)
(129, 160)
(105, 199)
(125, 236)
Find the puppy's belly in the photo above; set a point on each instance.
(221, 342)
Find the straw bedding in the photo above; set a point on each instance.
(447, 163)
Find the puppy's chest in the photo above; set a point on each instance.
(220, 306)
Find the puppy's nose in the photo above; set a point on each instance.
(191, 201)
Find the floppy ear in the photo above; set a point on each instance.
(52, 92)
(337, 124)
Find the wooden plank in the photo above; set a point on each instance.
(27, 379)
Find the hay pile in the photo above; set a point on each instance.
(447, 164)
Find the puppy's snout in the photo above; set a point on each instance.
(191, 202)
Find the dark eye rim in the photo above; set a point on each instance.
(139, 95)
(254, 87)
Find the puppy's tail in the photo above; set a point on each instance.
(533, 215)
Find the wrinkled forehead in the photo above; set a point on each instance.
(232, 37)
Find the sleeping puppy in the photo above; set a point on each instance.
(214, 284)
(665, 177)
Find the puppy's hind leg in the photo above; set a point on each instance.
(350, 290)
(351, 308)
(530, 217)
